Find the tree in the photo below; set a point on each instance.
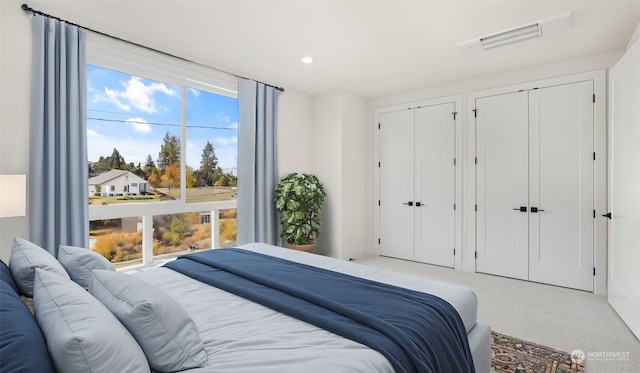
(208, 165)
(99, 167)
(180, 226)
(232, 180)
(222, 181)
(155, 179)
(169, 152)
(191, 179)
(137, 170)
(171, 177)
(149, 167)
(113, 162)
(116, 161)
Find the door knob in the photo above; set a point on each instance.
(535, 209)
(521, 209)
(410, 203)
(607, 215)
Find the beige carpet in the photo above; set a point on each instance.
(512, 355)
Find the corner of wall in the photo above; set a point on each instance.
(340, 159)
(634, 37)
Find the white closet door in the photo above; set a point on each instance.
(435, 184)
(502, 185)
(561, 185)
(396, 146)
(623, 286)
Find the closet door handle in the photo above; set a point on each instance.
(607, 215)
(410, 203)
(535, 209)
(521, 209)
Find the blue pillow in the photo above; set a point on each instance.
(22, 345)
(5, 276)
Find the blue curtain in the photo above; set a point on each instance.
(257, 166)
(58, 168)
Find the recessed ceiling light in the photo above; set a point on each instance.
(307, 60)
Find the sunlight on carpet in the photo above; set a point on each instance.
(512, 355)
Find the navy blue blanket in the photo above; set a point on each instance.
(416, 332)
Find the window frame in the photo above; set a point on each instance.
(128, 59)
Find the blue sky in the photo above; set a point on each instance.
(133, 114)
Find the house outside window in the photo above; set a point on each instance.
(162, 150)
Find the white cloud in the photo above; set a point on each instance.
(222, 118)
(112, 96)
(225, 141)
(140, 95)
(93, 134)
(139, 125)
(135, 94)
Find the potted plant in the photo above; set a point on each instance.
(299, 199)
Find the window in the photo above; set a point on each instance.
(162, 150)
(212, 146)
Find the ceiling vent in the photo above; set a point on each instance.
(540, 29)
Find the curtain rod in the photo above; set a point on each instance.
(27, 8)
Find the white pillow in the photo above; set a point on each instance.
(163, 328)
(25, 258)
(82, 335)
(79, 262)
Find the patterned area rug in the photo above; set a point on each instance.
(512, 355)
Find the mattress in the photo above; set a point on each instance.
(242, 336)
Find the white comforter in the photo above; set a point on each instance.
(241, 336)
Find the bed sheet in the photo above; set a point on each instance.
(242, 336)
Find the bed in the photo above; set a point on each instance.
(239, 335)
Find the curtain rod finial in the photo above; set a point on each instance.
(25, 7)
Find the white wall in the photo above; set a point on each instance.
(357, 178)
(635, 36)
(15, 78)
(341, 160)
(294, 132)
(327, 154)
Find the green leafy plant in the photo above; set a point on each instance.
(299, 199)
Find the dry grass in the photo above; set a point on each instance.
(118, 246)
(206, 194)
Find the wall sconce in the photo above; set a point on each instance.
(13, 195)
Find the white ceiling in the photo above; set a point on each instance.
(370, 48)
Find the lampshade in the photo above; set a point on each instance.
(13, 195)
